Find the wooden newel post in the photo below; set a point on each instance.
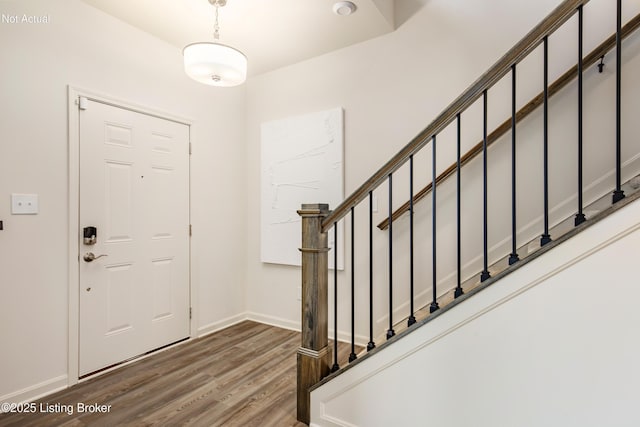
(314, 354)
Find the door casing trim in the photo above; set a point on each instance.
(73, 151)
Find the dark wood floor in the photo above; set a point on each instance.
(244, 375)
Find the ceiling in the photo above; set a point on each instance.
(271, 33)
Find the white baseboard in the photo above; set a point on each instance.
(221, 324)
(345, 337)
(274, 321)
(279, 322)
(36, 391)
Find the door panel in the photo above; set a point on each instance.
(119, 298)
(134, 188)
(118, 189)
(162, 297)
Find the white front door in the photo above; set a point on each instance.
(134, 189)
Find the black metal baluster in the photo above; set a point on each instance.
(580, 217)
(390, 332)
(485, 272)
(546, 238)
(458, 290)
(412, 318)
(513, 258)
(434, 304)
(353, 355)
(618, 194)
(371, 344)
(335, 366)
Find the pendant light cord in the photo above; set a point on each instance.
(216, 28)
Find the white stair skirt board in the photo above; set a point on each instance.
(549, 344)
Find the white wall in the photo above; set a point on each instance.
(552, 344)
(83, 47)
(391, 87)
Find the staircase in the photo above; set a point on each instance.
(550, 189)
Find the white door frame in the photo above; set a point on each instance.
(74, 217)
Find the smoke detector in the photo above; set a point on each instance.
(344, 8)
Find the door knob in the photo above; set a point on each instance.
(89, 257)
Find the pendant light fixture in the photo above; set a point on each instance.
(213, 63)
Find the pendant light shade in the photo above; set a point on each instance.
(215, 64)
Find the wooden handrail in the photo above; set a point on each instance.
(531, 106)
(523, 48)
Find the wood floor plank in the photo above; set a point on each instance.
(244, 375)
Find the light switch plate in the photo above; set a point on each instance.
(24, 204)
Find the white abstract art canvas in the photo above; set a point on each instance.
(302, 162)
